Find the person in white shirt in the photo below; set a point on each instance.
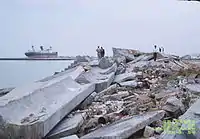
(155, 52)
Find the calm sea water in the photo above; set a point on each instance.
(17, 73)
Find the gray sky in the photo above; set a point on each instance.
(74, 27)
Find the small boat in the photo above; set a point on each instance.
(42, 53)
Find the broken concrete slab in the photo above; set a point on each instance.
(71, 137)
(39, 106)
(87, 101)
(97, 76)
(125, 77)
(175, 106)
(125, 128)
(111, 69)
(73, 73)
(194, 88)
(121, 69)
(105, 62)
(129, 84)
(120, 60)
(127, 53)
(68, 126)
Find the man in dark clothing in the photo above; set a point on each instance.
(155, 53)
(102, 52)
(160, 50)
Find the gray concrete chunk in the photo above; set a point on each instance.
(100, 77)
(31, 111)
(194, 88)
(105, 63)
(71, 137)
(125, 128)
(124, 77)
(68, 126)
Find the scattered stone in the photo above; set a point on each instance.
(148, 132)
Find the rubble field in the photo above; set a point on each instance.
(132, 97)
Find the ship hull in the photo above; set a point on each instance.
(41, 54)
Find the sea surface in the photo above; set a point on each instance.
(18, 73)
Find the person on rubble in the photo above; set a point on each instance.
(160, 50)
(163, 49)
(98, 50)
(155, 51)
(102, 52)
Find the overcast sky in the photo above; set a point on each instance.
(74, 27)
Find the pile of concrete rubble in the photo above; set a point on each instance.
(126, 96)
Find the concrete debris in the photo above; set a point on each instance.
(194, 88)
(174, 106)
(127, 96)
(5, 91)
(120, 60)
(40, 106)
(105, 63)
(121, 69)
(68, 126)
(71, 137)
(127, 53)
(124, 77)
(148, 132)
(98, 76)
(126, 127)
(88, 101)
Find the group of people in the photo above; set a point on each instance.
(156, 50)
(100, 52)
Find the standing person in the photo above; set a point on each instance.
(155, 53)
(102, 52)
(163, 49)
(98, 52)
(160, 50)
(33, 49)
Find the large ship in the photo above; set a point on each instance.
(48, 53)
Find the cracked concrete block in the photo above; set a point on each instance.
(97, 76)
(129, 84)
(125, 77)
(125, 128)
(31, 111)
(105, 63)
(68, 126)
